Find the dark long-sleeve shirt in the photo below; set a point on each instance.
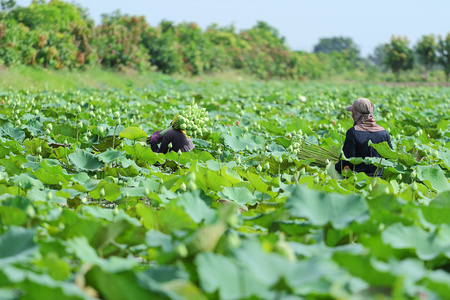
(356, 145)
(178, 139)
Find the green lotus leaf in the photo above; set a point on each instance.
(13, 132)
(154, 238)
(8, 147)
(44, 285)
(85, 161)
(427, 245)
(438, 210)
(133, 133)
(386, 152)
(10, 215)
(111, 190)
(33, 144)
(16, 244)
(51, 173)
(140, 152)
(227, 282)
(13, 165)
(110, 155)
(239, 194)
(26, 182)
(196, 205)
(320, 208)
(434, 178)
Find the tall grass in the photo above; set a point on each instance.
(29, 78)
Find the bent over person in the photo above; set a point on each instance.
(177, 139)
(357, 138)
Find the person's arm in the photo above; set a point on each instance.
(389, 141)
(349, 147)
(164, 147)
(349, 150)
(154, 140)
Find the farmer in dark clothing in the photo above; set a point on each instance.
(177, 139)
(356, 141)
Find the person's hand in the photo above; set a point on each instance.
(344, 171)
(156, 136)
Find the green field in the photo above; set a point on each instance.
(87, 210)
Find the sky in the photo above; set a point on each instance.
(369, 23)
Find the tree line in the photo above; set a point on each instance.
(60, 35)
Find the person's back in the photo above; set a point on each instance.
(178, 140)
(357, 138)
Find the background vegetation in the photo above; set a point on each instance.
(59, 35)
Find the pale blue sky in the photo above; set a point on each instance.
(301, 22)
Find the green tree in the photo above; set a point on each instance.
(426, 51)
(443, 50)
(336, 44)
(378, 56)
(398, 55)
(345, 46)
(7, 4)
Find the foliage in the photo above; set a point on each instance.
(89, 211)
(59, 35)
(399, 56)
(443, 49)
(426, 49)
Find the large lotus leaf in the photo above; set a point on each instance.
(64, 130)
(215, 181)
(445, 156)
(13, 165)
(167, 220)
(142, 153)
(51, 173)
(195, 204)
(112, 130)
(409, 269)
(240, 142)
(438, 211)
(133, 133)
(16, 245)
(266, 267)
(126, 285)
(427, 245)
(386, 152)
(85, 161)
(111, 190)
(320, 208)
(36, 194)
(81, 247)
(322, 250)
(33, 144)
(234, 281)
(317, 276)
(434, 178)
(42, 286)
(26, 182)
(438, 281)
(256, 182)
(173, 280)
(379, 162)
(239, 194)
(361, 267)
(110, 155)
(154, 238)
(134, 192)
(8, 147)
(13, 132)
(10, 215)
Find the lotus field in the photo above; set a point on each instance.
(87, 210)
